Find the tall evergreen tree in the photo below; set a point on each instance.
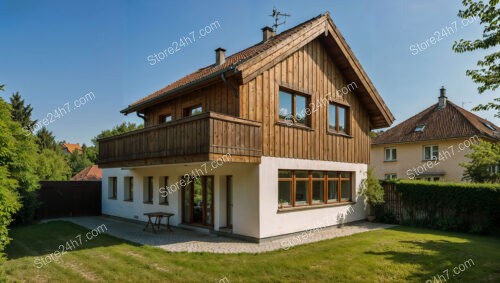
(45, 139)
(22, 113)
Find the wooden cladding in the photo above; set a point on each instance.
(192, 139)
(311, 70)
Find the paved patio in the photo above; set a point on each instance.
(182, 240)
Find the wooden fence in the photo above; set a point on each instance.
(68, 198)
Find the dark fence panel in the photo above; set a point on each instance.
(69, 198)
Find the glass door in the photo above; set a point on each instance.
(229, 195)
(197, 201)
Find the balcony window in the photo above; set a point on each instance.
(165, 118)
(193, 110)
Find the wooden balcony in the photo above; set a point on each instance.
(199, 138)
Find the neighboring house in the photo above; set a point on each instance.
(431, 145)
(69, 148)
(269, 141)
(91, 173)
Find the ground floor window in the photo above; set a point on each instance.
(306, 187)
(391, 176)
(112, 187)
(163, 193)
(148, 190)
(128, 189)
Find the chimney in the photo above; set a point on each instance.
(220, 56)
(442, 98)
(267, 33)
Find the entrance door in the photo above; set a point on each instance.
(197, 201)
(229, 195)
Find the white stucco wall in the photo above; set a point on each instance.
(245, 193)
(255, 196)
(274, 223)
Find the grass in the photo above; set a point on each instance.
(392, 255)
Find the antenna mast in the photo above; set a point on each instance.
(276, 15)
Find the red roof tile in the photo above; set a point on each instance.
(450, 122)
(92, 173)
(231, 61)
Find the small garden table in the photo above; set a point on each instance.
(158, 216)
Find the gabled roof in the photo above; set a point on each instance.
(92, 173)
(71, 147)
(270, 52)
(449, 122)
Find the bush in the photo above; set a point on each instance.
(466, 207)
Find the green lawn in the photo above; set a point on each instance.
(393, 255)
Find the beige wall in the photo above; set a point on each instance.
(410, 161)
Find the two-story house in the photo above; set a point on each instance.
(272, 140)
(432, 144)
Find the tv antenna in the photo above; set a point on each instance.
(465, 102)
(277, 15)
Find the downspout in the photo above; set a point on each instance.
(142, 116)
(236, 94)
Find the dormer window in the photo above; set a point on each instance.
(419, 128)
(489, 126)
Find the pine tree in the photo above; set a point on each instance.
(45, 139)
(21, 113)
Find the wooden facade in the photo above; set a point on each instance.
(310, 71)
(316, 63)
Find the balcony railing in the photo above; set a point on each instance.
(197, 138)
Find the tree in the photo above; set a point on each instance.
(45, 139)
(488, 74)
(18, 155)
(52, 165)
(78, 161)
(21, 113)
(9, 198)
(117, 130)
(484, 164)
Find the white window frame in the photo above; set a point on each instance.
(391, 176)
(393, 154)
(434, 152)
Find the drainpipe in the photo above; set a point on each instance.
(142, 116)
(236, 93)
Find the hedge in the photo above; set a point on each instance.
(466, 207)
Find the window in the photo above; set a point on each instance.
(338, 118)
(419, 128)
(306, 188)
(431, 152)
(193, 110)
(165, 118)
(164, 192)
(489, 126)
(293, 108)
(285, 188)
(390, 154)
(128, 188)
(112, 187)
(148, 190)
(391, 176)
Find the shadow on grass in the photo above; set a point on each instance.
(437, 257)
(46, 238)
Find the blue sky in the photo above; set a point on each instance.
(55, 52)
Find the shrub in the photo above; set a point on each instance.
(467, 207)
(372, 190)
